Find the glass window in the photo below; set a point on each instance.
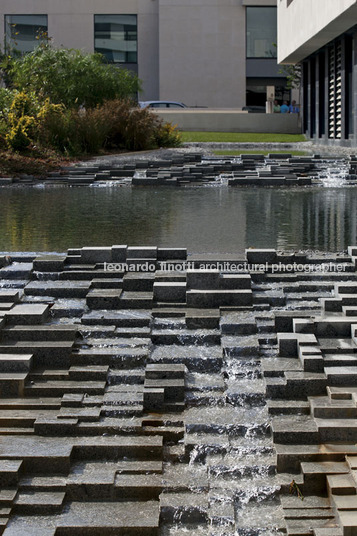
(116, 37)
(261, 32)
(23, 32)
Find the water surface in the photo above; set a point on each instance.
(203, 219)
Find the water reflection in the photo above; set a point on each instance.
(223, 220)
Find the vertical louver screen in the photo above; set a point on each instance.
(335, 91)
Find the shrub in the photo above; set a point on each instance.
(167, 135)
(71, 77)
(6, 98)
(21, 122)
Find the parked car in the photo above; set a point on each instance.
(161, 104)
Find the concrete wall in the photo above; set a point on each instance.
(304, 26)
(202, 55)
(232, 121)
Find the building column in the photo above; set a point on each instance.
(344, 90)
(354, 88)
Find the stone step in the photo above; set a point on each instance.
(13, 418)
(202, 318)
(288, 407)
(45, 353)
(341, 393)
(341, 376)
(174, 389)
(104, 298)
(119, 358)
(106, 518)
(28, 314)
(337, 345)
(315, 474)
(15, 362)
(275, 367)
(58, 388)
(171, 336)
(106, 283)
(9, 296)
(38, 502)
(216, 298)
(289, 456)
(340, 360)
(195, 358)
(341, 485)
(325, 408)
(10, 472)
(47, 483)
(169, 292)
(133, 332)
(12, 383)
(121, 319)
(296, 385)
(295, 430)
(6, 306)
(136, 300)
(54, 332)
(57, 289)
(337, 430)
(157, 371)
(7, 497)
(138, 487)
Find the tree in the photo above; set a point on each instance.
(71, 77)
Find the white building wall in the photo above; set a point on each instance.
(189, 50)
(202, 52)
(304, 26)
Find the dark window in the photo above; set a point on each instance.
(23, 32)
(116, 37)
(261, 32)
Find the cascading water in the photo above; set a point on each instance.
(225, 483)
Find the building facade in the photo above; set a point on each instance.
(321, 35)
(215, 53)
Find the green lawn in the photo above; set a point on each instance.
(241, 137)
(237, 153)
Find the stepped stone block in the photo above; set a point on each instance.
(39, 502)
(28, 314)
(48, 353)
(104, 298)
(54, 332)
(15, 363)
(217, 298)
(49, 263)
(157, 371)
(342, 485)
(141, 252)
(57, 289)
(12, 383)
(168, 254)
(9, 472)
(169, 291)
(289, 342)
(105, 518)
(341, 376)
(96, 255)
(138, 282)
(9, 296)
(261, 256)
(119, 254)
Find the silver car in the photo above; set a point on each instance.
(161, 104)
